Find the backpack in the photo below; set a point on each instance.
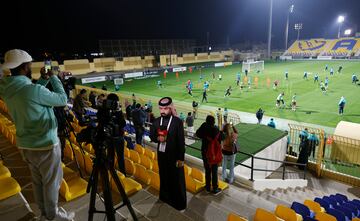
(213, 153)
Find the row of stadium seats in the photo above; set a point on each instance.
(330, 208)
(72, 185)
(343, 47)
(8, 185)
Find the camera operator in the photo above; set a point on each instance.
(111, 116)
(31, 107)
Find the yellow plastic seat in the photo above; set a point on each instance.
(89, 148)
(198, 175)
(8, 187)
(234, 217)
(355, 219)
(4, 171)
(134, 156)
(88, 163)
(126, 152)
(149, 153)
(141, 174)
(146, 162)
(130, 186)
(154, 180)
(68, 152)
(80, 158)
(324, 217)
(155, 167)
(222, 185)
(187, 170)
(129, 167)
(264, 215)
(287, 214)
(68, 173)
(73, 138)
(138, 148)
(314, 206)
(73, 188)
(193, 185)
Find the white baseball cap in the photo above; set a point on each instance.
(14, 58)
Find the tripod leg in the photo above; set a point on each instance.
(93, 182)
(109, 208)
(122, 193)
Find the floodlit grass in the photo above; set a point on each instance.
(248, 139)
(313, 106)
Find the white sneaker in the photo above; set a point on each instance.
(62, 215)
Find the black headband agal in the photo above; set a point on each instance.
(165, 101)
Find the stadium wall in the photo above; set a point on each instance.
(198, 58)
(83, 66)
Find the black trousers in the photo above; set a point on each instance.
(139, 133)
(211, 176)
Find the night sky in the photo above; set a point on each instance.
(77, 25)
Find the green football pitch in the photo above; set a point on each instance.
(249, 141)
(313, 105)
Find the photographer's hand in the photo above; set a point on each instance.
(45, 75)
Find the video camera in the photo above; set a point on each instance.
(110, 122)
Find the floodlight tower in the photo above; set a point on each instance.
(269, 35)
(298, 27)
(290, 10)
(340, 20)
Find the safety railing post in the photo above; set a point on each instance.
(252, 169)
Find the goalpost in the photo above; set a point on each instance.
(252, 65)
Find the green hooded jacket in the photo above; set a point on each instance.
(31, 108)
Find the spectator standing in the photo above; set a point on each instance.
(190, 125)
(208, 132)
(31, 107)
(259, 115)
(138, 118)
(168, 132)
(229, 150)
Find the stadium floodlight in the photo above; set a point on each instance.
(347, 32)
(291, 10)
(298, 27)
(341, 19)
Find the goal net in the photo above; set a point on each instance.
(252, 66)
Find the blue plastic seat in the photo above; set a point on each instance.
(356, 201)
(301, 209)
(347, 211)
(337, 214)
(354, 205)
(344, 198)
(332, 201)
(354, 209)
(322, 203)
(337, 199)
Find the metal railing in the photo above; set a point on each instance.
(253, 158)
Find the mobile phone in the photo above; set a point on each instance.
(47, 65)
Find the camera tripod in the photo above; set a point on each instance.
(102, 165)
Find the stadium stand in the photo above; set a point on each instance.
(81, 66)
(338, 48)
(144, 170)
